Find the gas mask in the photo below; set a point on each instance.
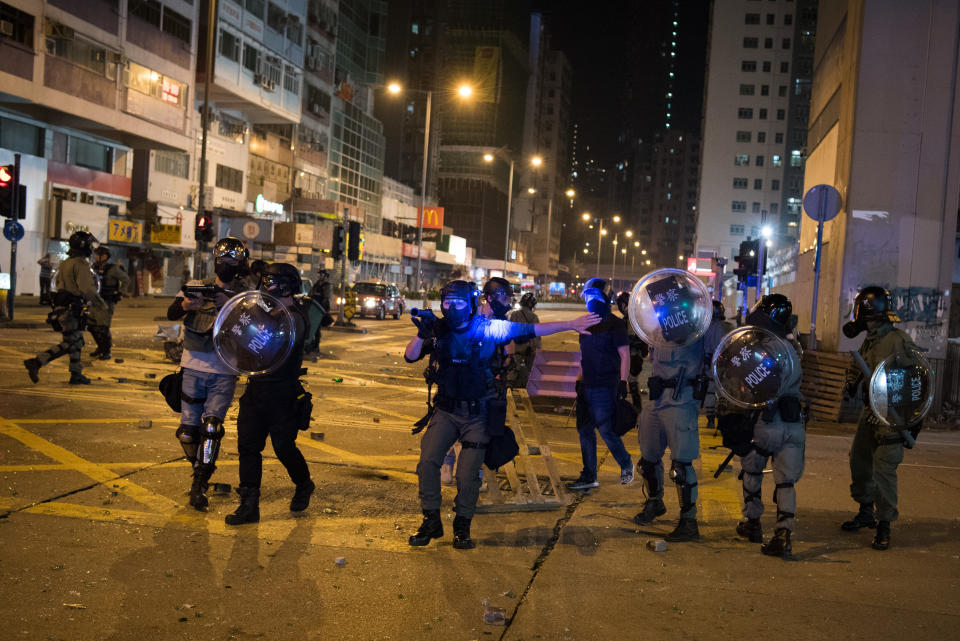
(853, 328)
(498, 307)
(227, 270)
(456, 311)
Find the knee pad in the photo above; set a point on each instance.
(188, 433)
(648, 469)
(678, 472)
(212, 428)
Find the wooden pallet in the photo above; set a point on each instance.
(824, 374)
(531, 481)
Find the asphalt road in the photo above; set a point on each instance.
(98, 543)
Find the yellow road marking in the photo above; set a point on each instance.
(97, 472)
(364, 460)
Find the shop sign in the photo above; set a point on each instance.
(263, 205)
(124, 231)
(165, 235)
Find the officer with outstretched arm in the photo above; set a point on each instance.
(461, 345)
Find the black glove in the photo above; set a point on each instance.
(622, 391)
(424, 322)
(850, 390)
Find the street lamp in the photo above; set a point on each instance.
(616, 238)
(601, 232)
(396, 88)
(536, 161)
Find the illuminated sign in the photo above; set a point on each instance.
(700, 266)
(432, 218)
(263, 205)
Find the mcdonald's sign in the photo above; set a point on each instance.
(432, 218)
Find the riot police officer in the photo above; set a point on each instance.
(677, 386)
(272, 405)
(524, 351)
(113, 284)
(76, 288)
(497, 298)
(208, 384)
(719, 327)
(638, 351)
(460, 346)
(877, 448)
(779, 434)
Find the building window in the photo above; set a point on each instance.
(771, 18)
(172, 163)
(766, 66)
(20, 29)
(276, 17)
(229, 178)
(777, 160)
(19, 136)
(739, 183)
(775, 185)
(745, 113)
(786, 43)
(761, 136)
(768, 43)
(79, 51)
(736, 230)
(743, 136)
(149, 82)
(752, 18)
(758, 183)
(738, 205)
(415, 29)
(748, 65)
(784, 67)
(294, 30)
(782, 91)
(751, 43)
(764, 90)
(781, 114)
(763, 114)
(755, 208)
(291, 80)
(796, 160)
(178, 26)
(741, 160)
(774, 208)
(778, 138)
(251, 58)
(255, 7)
(229, 46)
(91, 155)
(147, 10)
(759, 161)
(747, 90)
(788, 19)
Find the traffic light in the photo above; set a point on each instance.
(339, 242)
(204, 230)
(747, 259)
(7, 207)
(354, 241)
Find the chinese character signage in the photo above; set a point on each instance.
(124, 231)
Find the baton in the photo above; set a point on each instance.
(905, 433)
(723, 465)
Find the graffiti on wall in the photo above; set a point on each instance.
(924, 313)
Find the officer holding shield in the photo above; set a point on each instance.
(670, 309)
(877, 447)
(460, 346)
(779, 434)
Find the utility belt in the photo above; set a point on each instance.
(790, 408)
(657, 384)
(447, 404)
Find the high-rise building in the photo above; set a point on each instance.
(757, 100)
(84, 85)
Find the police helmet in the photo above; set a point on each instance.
(599, 286)
(873, 303)
(528, 300)
(772, 312)
(497, 286)
(81, 243)
(230, 247)
(257, 266)
(283, 276)
(461, 289)
(623, 302)
(719, 312)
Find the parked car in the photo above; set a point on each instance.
(378, 299)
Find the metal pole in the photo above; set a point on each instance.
(816, 274)
(613, 271)
(506, 249)
(342, 320)
(12, 294)
(205, 124)
(599, 241)
(549, 237)
(423, 196)
(761, 251)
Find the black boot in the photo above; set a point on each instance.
(882, 540)
(249, 510)
(79, 379)
(751, 530)
(652, 508)
(198, 492)
(33, 369)
(431, 528)
(461, 534)
(864, 518)
(301, 497)
(779, 545)
(686, 530)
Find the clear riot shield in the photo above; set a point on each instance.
(901, 389)
(752, 367)
(670, 307)
(253, 333)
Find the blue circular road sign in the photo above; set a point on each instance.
(12, 231)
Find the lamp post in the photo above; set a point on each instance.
(616, 240)
(535, 161)
(601, 232)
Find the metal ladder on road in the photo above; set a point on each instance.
(523, 488)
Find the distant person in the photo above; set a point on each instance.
(113, 284)
(525, 350)
(46, 274)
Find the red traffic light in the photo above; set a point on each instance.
(6, 175)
